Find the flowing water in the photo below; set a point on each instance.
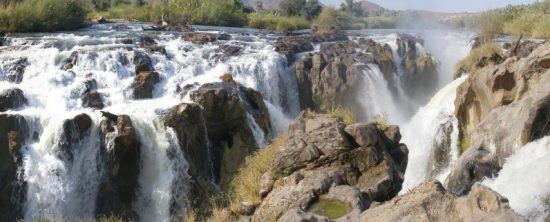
(67, 187)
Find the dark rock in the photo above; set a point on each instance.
(203, 38)
(70, 62)
(73, 131)
(230, 50)
(93, 100)
(120, 27)
(121, 150)
(290, 45)
(102, 20)
(16, 70)
(13, 133)
(142, 62)
(143, 85)
(13, 98)
(149, 43)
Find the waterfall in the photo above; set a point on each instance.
(59, 188)
(422, 134)
(524, 180)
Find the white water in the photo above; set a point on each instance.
(421, 133)
(62, 189)
(524, 180)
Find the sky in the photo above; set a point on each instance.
(441, 5)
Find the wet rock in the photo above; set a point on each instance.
(10, 99)
(230, 50)
(431, 202)
(102, 20)
(441, 156)
(290, 45)
(203, 38)
(382, 56)
(484, 104)
(142, 62)
(149, 43)
(120, 27)
(13, 133)
(321, 160)
(16, 70)
(73, 131)
(143, 85)
(121, 150)
(93, 100)
(70, 62)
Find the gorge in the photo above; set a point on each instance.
(147, 125)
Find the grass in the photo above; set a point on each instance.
(331, 209)
(42, 15)
(382, 121)
(245, 186)
(344, 113)
(273, 21)
(470, 63)
(111, 218)
(464, 145)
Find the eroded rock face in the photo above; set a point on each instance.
(13, 133)
(121, 150)
(431, 202)
(73, 131)
(225, 107)
(144, 84)
(500, 108)
(13, 98)
(70, 62)
(323, 159)
(290, 45)
(203, 38)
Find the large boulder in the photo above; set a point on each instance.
(226, 107)
(485, 103)
(142, 62)
(73, 131)
(144, 84)
(431, 202)
(203, 38)
(70, 62)
(325, 161)
(121, 150)
(13, 133)
(290, 45)
(13, 98)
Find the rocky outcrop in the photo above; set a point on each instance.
(382, 56)
(203, 38)
(431, 202)
(225, 107)
(14, 71)
(500, 108)
(93, 100)
(420, 75)
(121, 150)
(144, 84)
(323, 160)
(73, 131)
(290, 45)
(149, 43)
(13, 98)
(142, 62)
(13, 133)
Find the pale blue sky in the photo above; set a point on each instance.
(441, 5)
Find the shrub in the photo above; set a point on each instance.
(331, 20)
(344, 113)
(42, 16)
(469, 63)
(272, 21)
(542, 28)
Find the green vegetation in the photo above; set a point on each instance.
(42, 15)
(272, 21)
(331, 209)
(521, 20)
(344, 113)
(477, 57)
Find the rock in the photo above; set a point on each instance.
(522, 50)
(93, 100)
(296, 215)
(290, 45)
(120, 27)
(121, 149)
(71, 134)
(431, 202)
(441, 156)
(142, 62)
(230, 50)
(225, 115)
(16, 70)
(245, 208)
(13, 134)
(203, 38)
(70, 62)
(102, 20)
(484, 104)
(322, 161)
(10, 99)
(149, 43)
(143, 85)
(382, 56)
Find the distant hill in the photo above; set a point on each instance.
(370, 7)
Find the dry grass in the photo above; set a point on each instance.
(469, 63)
(344, 113)
(245, 186)
(382, 121)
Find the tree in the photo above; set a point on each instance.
(352, 7)
(259, 6)
(292, 7)
(311, 9)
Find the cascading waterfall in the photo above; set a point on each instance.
(524, 180)
(422, 135)
(59, 188)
